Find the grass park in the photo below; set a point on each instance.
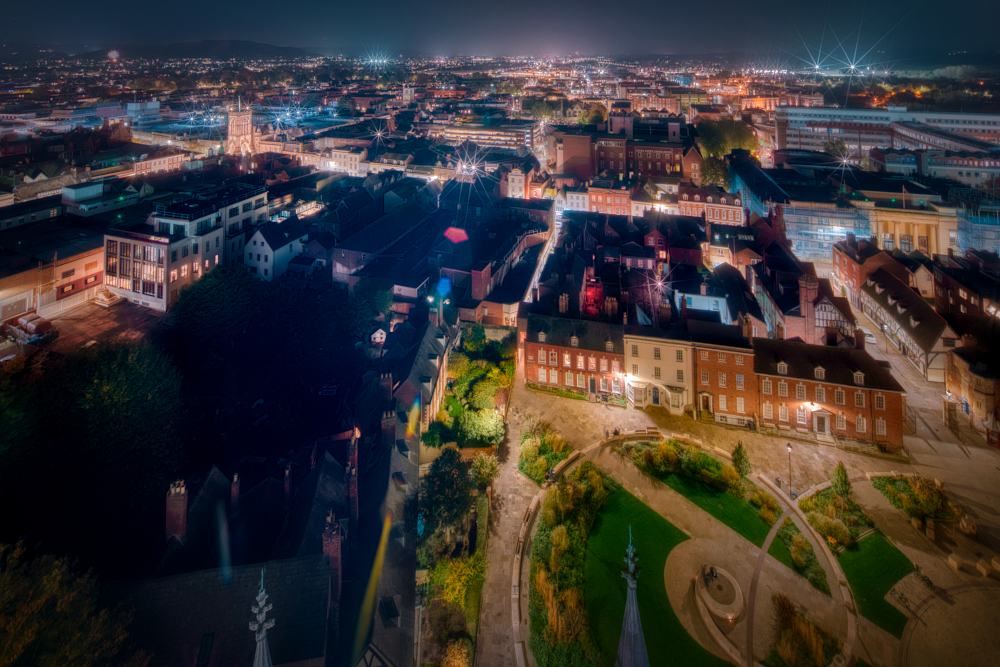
(872, 567)
(667, 642)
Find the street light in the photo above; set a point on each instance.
(790, 471)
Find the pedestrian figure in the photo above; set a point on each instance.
(715, 575)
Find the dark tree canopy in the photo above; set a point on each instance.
(446, 492)
(718, 138)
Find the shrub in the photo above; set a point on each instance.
(832, 529)
(767, 515)
(730, 477)
(784, 610)
(798, 557)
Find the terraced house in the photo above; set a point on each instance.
(577, 356)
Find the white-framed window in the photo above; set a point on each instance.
(609, 346)
(722, 402)
(579, 362)
(656, 353)
(615, 366)
(569, 378)
(574, 341)
(635, 350)
(880, 426)
(616, 386)
(704, 355)
(542, 375)
(554, 376)
(783, 389)
(680, 355)
(820, 394)
(839, 397)
(859, 378)
(604, 384)
(592, 363)
(800, 392)
(841, 422)
(581, 380)
(802, 415)
(541, 336)
(820, 374)
(680, 376)
(704, 376)
(739, 381)
(879, 402)
(604, 365)
(635, 369)
(656, 372)
(541, 356)
(722, 379)
(766, 386)
(739, 359)
(740, 405)
(783, 412)
(860, 425)
(566, 359)
(722, 357)
(553, 358)
(859, 399)
(768, 411)
(782, 368)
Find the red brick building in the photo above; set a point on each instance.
(580, 356)
(718, 206)
(854, 260)
(725, 384)
(834, 392)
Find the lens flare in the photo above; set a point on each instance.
(368, 606)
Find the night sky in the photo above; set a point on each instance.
(449, 27)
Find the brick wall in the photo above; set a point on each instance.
(718, 373)
(597, 366)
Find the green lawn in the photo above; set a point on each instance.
(780, 553)
(873, 567)
(667, 642)
(727, 508)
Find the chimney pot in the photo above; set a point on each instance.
(177, 500)
(234, 500)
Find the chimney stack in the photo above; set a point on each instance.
(177, 502)
(859, 338)
(332, 548)
(808, 291)
(288, 485)
(234, 496)
(385, 381)
(388, 428)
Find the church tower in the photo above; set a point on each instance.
(632, 645)
(241, 139)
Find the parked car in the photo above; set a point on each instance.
(869, 336)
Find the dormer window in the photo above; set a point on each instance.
(685, 197)
(574, 341)
(541, 336)
(609, 346)
(723, 200)
(738, 202)
(697, 197)
(892, 300)
(709, 200)
(859, 378)
(782, 368)
(819, 373)
(914, 322)
(900, 308)
(879, 289)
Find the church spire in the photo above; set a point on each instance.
(632, 645)
(262, 657)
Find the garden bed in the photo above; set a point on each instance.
(711, 485)
(667, 641)
(872, 567)
(556, 392)
(801, 643)
(560, 635)
(541, 450)
(794, 550)
(839, 520)
(919, 497)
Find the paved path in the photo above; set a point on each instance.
(752, 596)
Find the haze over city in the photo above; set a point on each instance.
(455, 335)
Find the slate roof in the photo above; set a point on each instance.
(279, 234)
(739, 296)
(386, 230)
(930, 325)
(173, 614)
(840, 363)
(591, 335)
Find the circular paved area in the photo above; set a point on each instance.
(964, 633)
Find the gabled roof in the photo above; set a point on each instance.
(592, 336)
(279, 234)
(907, 308)
(840, 363)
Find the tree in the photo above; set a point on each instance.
(841, 484)
(836, 148)
(456, 655)
(715, 171)
(485, 468)
(446, 492)
(49, 616)
(482, 428)
(596, 113)
(541, 110)
(436, 435)
(483, 393)
(368, 301)
(719, 138)
(741, 460)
